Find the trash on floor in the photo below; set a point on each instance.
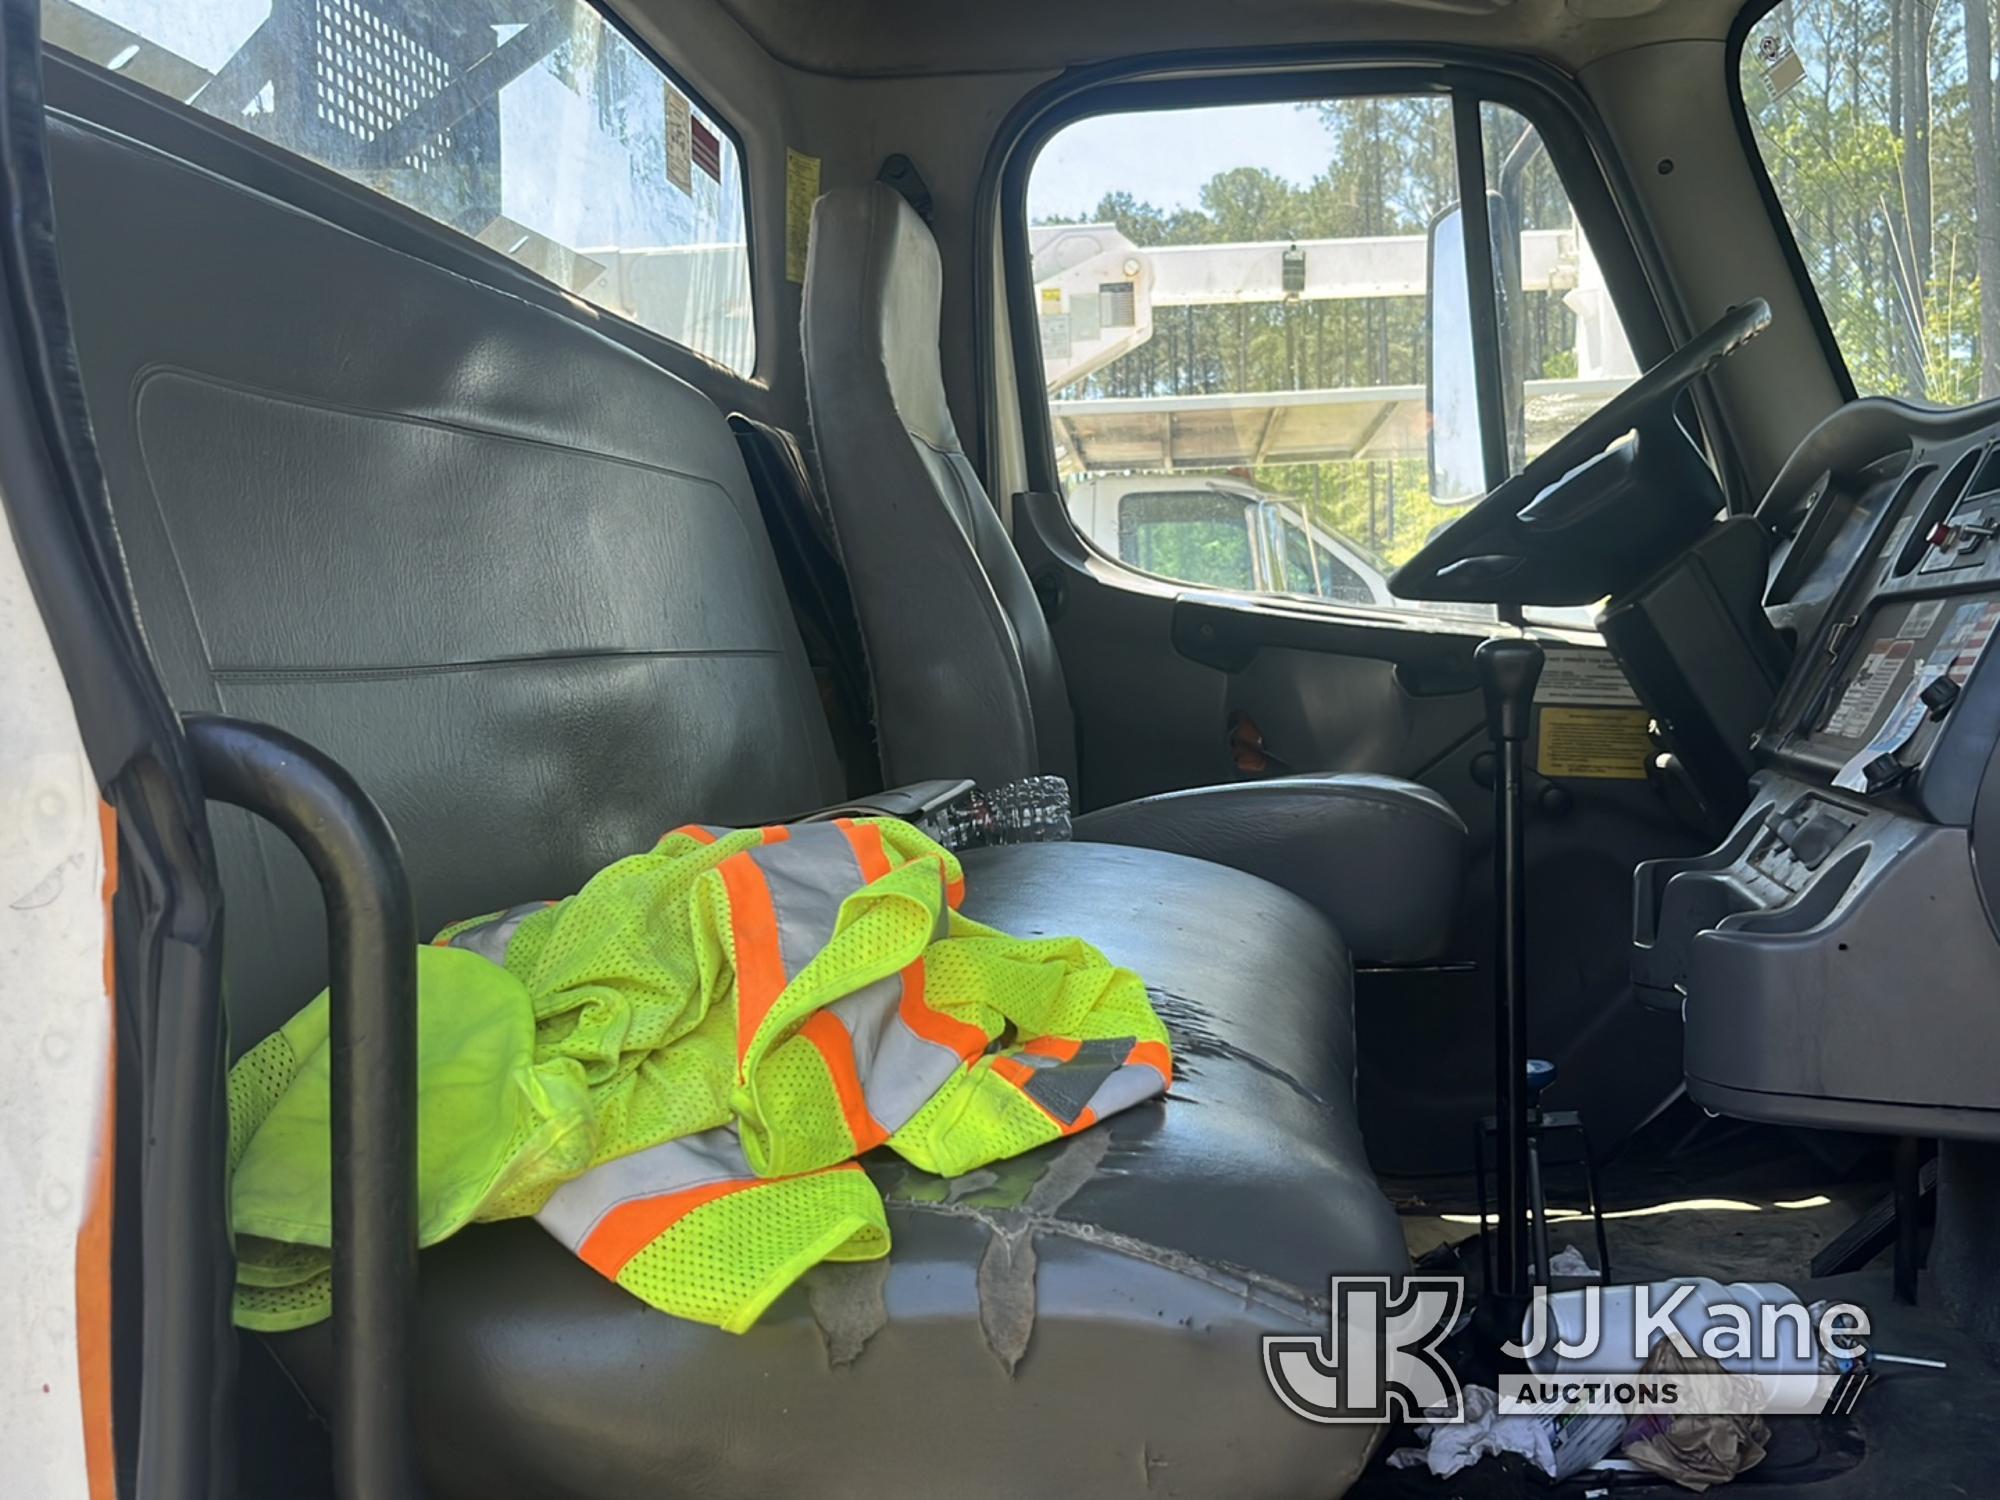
(1559, 1444)
(1695, 1451)
(1569, 1261)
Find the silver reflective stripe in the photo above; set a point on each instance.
(900, 1071)
(579, 1206)
(1132, 1084)
(490, 938)
(809, 875)
(1067, 1089)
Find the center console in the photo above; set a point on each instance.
(1835, 957)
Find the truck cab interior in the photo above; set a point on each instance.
(550, 422)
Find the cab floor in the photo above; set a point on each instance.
(1754, 1214)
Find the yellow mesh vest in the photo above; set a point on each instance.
(674, 1069)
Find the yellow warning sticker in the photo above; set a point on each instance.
(1603, 742)
(1051, 300)
(801, 191)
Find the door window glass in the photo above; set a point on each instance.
(535, 128)
(1875, 119)
(1299, 575)
(1338, 581)
(1244, 293)
(1197, 536)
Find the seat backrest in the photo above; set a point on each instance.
(509, 573)
(966, 677)
(801, 532)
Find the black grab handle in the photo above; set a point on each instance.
(371, 947)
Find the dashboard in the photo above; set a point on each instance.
(1836, 957)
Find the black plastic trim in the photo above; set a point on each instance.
(372, 1015)
(1788, 245)
(1469, 140)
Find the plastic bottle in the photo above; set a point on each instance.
(1033, 810)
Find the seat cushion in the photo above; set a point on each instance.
(1380, 855)
(1080, 1320)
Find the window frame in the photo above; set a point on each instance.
(1746, 22)
(94, 96)
(1578, 147)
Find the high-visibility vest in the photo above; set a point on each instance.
(674, 1069)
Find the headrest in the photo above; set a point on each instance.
(873, 285)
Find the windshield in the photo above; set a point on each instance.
(1875, 120)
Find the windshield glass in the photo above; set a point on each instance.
(1875, 119)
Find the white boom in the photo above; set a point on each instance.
(1098, 295)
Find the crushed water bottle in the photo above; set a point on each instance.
(1033, 810)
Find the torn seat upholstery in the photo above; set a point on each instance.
(513, 576)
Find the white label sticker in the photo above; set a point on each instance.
(1966, 637)
(1863, 698)
(680, 140)
(1917, 623)
(1590, 679)
(1900, 729)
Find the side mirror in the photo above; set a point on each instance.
(1457, 449)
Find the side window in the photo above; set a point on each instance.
(1300, 576)
(1268, 296)
(550, 138)
(1195, 535)
(1338, 581)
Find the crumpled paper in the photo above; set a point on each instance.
(1698, 1451)
(1451, 1446)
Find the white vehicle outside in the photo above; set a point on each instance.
(1222, 534)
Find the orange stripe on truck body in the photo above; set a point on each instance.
(93, 1237)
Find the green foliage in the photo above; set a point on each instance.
(1390, 170)
(1868, 140)
(1869, 136)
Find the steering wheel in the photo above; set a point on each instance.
(1610, 501)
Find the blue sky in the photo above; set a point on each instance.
(1164, 157)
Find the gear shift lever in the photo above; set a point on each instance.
(1509, 667)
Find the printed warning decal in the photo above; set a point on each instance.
(705, 148)
(1966, 637)
(1572, 675)
(1917, 623)
(1881, 664)
(1609, 743)
(801, 191)
(680, 140)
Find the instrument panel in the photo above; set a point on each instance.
(1836, 957)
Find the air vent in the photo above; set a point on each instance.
(1941, 501)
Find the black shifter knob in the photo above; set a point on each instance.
(1509, 667)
